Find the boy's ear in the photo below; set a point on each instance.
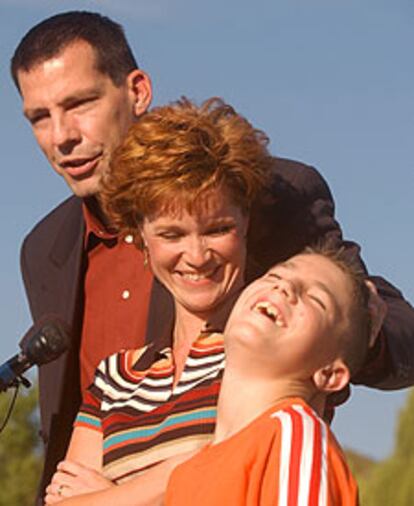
(333, 377)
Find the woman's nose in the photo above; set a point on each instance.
(197, 252)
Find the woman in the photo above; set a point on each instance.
(182, 183)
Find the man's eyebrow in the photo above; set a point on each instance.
(80, 95)
(29, 113)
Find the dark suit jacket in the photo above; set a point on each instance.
(295, 210)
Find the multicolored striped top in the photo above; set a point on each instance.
(143, 419)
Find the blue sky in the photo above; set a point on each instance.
(330, 81)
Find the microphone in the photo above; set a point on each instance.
(39, 347)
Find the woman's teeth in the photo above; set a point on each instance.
(192, 276)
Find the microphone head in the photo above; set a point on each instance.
(48, 343)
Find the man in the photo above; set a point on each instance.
(80, 101)
(81, 89)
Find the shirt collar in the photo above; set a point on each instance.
(95, 231)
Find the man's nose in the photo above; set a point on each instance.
(65, 134)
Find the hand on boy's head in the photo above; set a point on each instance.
(378, 311)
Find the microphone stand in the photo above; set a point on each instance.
(17, 381)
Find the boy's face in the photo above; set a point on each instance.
(290, 318)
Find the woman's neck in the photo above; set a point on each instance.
(190, 325)
(187, 328)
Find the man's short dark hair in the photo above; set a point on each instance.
(51, 36)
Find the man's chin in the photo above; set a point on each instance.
(85, 188)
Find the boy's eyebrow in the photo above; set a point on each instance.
(287, 263)
(327, 290)
(290, 265)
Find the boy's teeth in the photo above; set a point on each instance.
(266, 308)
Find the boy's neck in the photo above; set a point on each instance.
(242, 399)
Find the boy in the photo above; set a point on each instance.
(294, 336)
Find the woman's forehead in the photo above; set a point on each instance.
(208, 205)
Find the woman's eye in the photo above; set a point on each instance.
(221, 230)
(169, 236)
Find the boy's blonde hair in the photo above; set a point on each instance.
(355, 339)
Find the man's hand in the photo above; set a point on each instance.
(72, 479)
(378, 310)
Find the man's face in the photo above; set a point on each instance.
(78, 115)
(291, 318)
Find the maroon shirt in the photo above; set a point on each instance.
(117, 294)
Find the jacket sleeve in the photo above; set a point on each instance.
(390, 364)
(297, 210)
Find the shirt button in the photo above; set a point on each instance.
(126, 294)
(129, 239)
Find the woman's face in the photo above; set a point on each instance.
(200, 257)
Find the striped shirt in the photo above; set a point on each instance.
(144, 420)
(286, 457)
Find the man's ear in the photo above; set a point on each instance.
(140, 89)
(333, 377)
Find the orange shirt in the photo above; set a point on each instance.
(117, 291)
(286, 457)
